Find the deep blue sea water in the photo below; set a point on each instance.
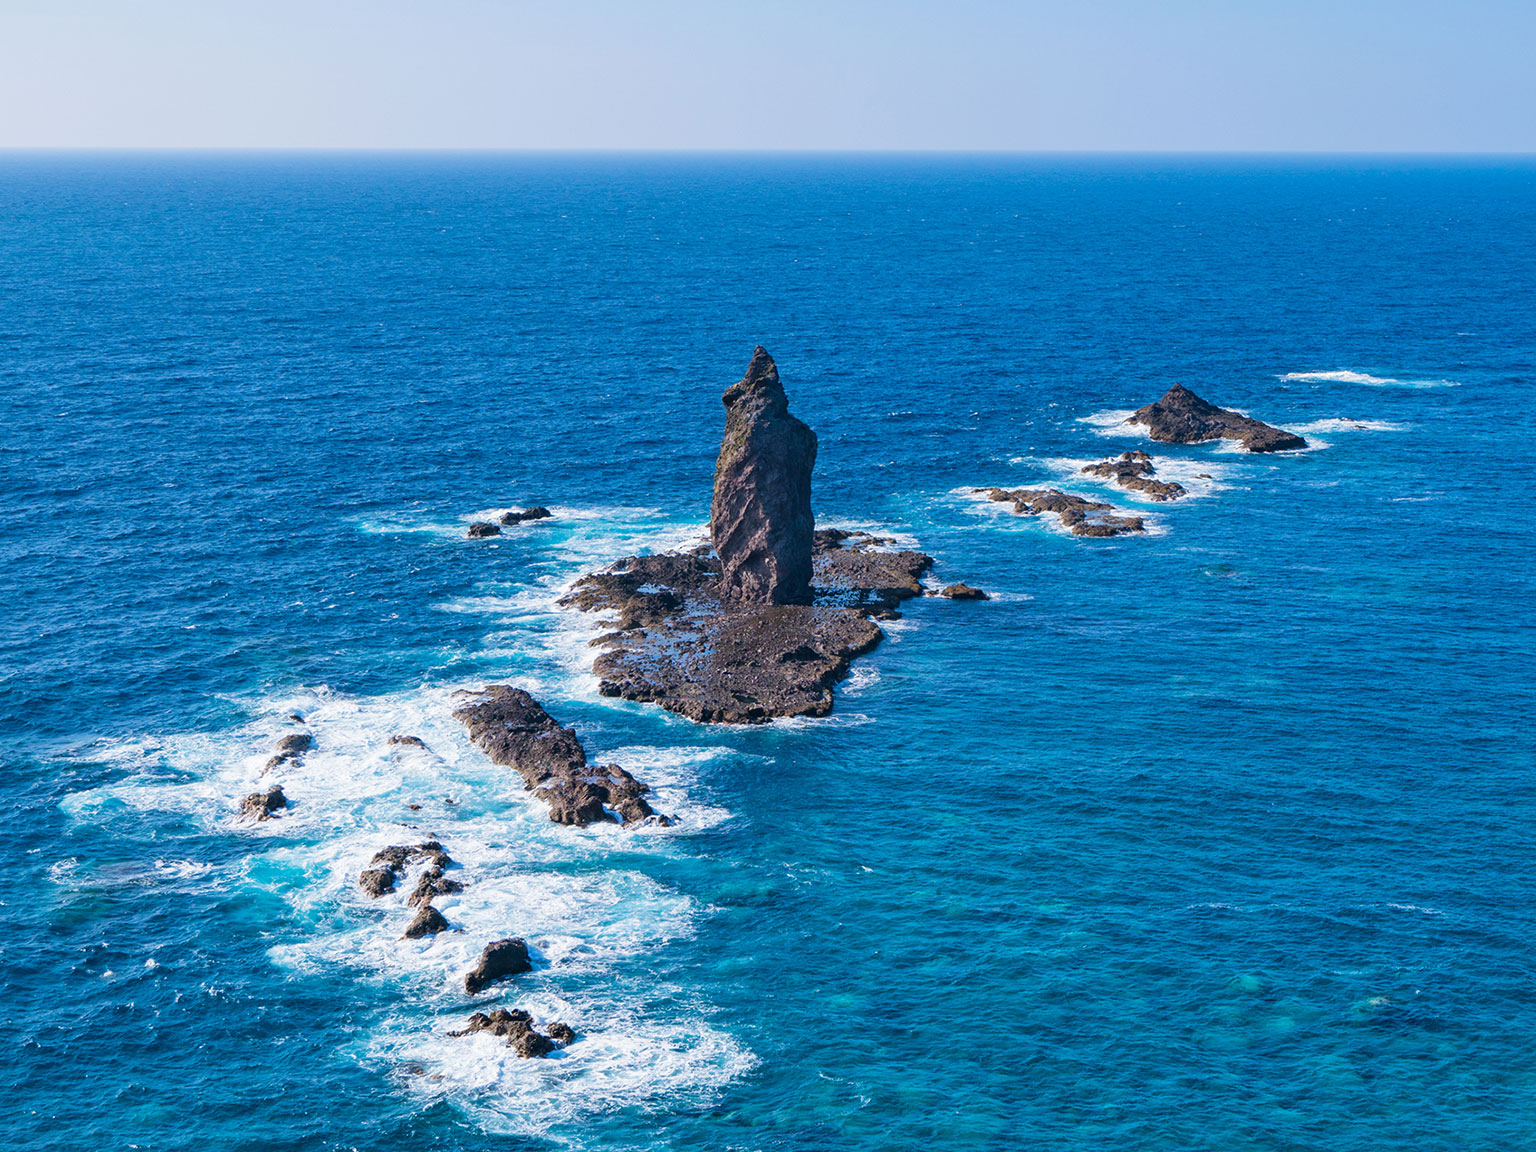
(1217, 838)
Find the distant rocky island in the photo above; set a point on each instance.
(763, 621)
(1181, 417)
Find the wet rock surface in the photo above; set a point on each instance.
(760, 517)
(962, 592)
(517, 1026)
(1084, 517)
(499, 960)
(389, 865)
(678, 644)
(512, 729)
(264, 805)
(409, 741)
(290, 750)
(1134, 471)
(537, 512)
(427, 922)
(1181, 417)
(482, 528)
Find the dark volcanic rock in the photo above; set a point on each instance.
(290, 750)
(760, 520)
(963, 592)
(517, 1026)
(512, 729)
(432, 883)
(412, 741)
(537, 512)
(481, 529)
(501, 958)
(428, 922)
(1083, 517)
(264, 805)
(1181, 417)
(377, 881)
(678, 645)
(1134, 471)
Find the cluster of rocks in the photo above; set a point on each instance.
(499, 960)
(512, 729)
(1181, 417)
(1134, 471)
(763, 621)
(1083, 516)
(517, 1026)
(480, 529)
(289, 753)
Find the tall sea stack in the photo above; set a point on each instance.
(760, 520)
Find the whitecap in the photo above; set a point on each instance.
(1347, 376)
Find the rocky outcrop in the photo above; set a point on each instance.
(432, 883)
(290, 750)
(517, 1026)
(962, 592)
(537, 512)
(760, 518)
(513, 730)
(389, 864)
(1134, 471)
(500, 959)
(1181, 417)
(676, 642)
(1083, 517)
(480, 529)
(427, 922)
(264, 805)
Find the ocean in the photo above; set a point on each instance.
(1214, 837)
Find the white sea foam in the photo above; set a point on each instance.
(1003, 515)
(352, 794)
(1199, 478)
(1113, 423)
(1345, 424)
(1346, 376)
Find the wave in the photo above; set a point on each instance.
(1347, 376)
(354, 793)
(1112, 422)
(1345, 424)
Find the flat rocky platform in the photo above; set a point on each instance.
(1135, 472)
(676, 644)
(1083, 516)
(1181, 417)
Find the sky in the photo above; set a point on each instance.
(1089, 75)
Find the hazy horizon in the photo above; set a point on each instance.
(1111, 76)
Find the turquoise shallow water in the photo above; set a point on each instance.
(1216, 838)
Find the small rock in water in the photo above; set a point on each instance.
(264, 805)
(434, 883)
(290, 749)
(501, 958)
(517, 1026)
(428, 922)
(481, 528)
(537, 512)
(963, 592)
(377, 881)
(412, 741)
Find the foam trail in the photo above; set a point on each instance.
(1346, 376)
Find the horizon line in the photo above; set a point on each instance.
(493, 150)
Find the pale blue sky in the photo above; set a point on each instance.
(1351, 75)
